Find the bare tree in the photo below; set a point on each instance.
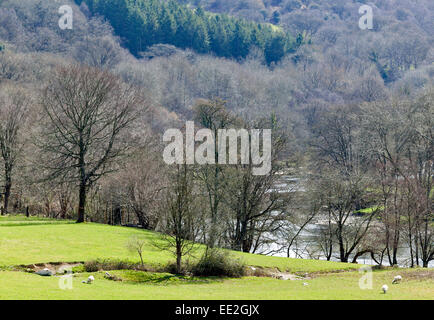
(399, 133)
(143, 180)
(135, 244)
(13, 113)
(256, 207)
(343, 178)
(179, 216)
(87, 113)
(214, 116)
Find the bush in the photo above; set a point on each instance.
(171, 267)
(109, 264)
(216, 262)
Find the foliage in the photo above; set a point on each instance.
(216, 262)
(108, 264)
(143, 23)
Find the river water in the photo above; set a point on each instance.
(305, 246)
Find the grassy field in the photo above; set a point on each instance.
(27, 241)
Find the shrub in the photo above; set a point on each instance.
(135, 244)
(109, 264)
(172, 268)
(216, 262)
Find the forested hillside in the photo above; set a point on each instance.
(400, 39)
(351, 112)
(144, 23)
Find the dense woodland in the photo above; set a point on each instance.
(153, 21)
(82, 113)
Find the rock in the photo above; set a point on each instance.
(45, 272)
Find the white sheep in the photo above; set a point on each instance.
(45, 272)
(90, 279)
(397, 279)
(305, 284)
(385, 288)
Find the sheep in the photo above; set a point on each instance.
(305, 284)
(89, 280)
(385, 288)
(45, 272)
(397, 279)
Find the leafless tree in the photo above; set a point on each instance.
(87, 113)
(214, 116)
(256, 206)
(13, 113)
(179, 216)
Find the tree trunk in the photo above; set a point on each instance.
(82, 203)
(117, 214)
(8, 187)
(178, 258)
(342, 255)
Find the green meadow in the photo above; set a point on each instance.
(27, 241)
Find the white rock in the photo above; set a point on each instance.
(397, 279)
(385, 288)
(45, 272)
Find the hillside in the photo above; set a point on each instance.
(92, 125)
(29, 241)
(142, 24)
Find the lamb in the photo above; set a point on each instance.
(385, 288)
(397, 279)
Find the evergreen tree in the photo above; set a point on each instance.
(143, 23)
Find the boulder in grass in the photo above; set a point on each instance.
(45, 272)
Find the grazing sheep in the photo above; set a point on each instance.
(385, 288)
(305, 284)
(45, 272)
(90, 279)
(397, 280)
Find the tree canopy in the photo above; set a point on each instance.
(143, 23)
